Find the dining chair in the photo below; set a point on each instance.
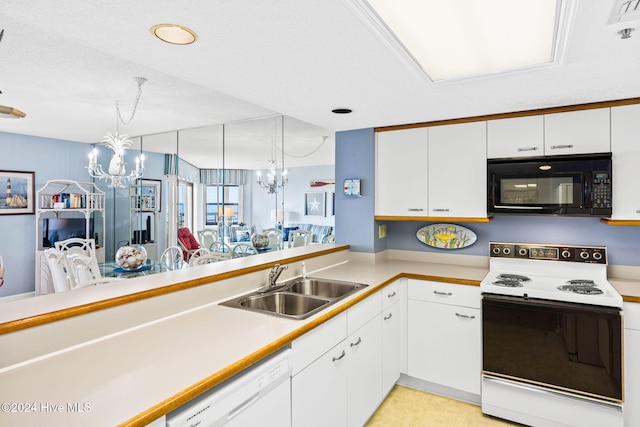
(208, 258)
(242, 249)
(78, 245)
(299, 238)
(221, 247)
(57, 262)
(207, 237)
(83, 272)
(172, 257)
(275, 238)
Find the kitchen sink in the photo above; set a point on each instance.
(284, 303)
(323, 288)
(297, 298)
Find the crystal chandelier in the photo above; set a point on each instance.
(272, 183)
(118, 143)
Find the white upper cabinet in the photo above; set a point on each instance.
(577, 132)
(458, 170)
(515, 137)
(401, 173)
(625, 149)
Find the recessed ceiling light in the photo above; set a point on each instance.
(174, 34)
(342, 110)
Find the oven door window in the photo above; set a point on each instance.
(569, 347)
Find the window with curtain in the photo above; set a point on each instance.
(215, 196)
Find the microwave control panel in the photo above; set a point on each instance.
(601, 190)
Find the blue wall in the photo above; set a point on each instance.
(355, 225)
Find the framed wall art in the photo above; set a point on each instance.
(315, 203)
(17, 192)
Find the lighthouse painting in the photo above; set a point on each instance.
(16, 192)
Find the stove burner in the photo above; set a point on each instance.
(584, 289)
(508, 283)
(513, 277)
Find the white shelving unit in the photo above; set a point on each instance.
(144, 206)
(71, 200)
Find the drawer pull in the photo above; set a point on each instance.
(465, 316)
(446, 294)
(335, 359)
(415, 209)
(357, 343)
(391, 295)
(527, 148)
(555, 147)
(440, 209)
(388, 317)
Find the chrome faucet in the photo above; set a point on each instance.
(275, 272)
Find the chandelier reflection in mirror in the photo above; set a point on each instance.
(273, 182)
(118, 143)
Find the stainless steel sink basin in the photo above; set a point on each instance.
(323, 287)
(296, 299)
(284, 303)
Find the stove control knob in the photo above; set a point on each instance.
(506, 251)
(522, 251)
(566, 254)
(495, 250)
(597, 256)
(584, 254)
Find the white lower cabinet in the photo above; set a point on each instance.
(393, 334)
(631, 366)
(444, 334)
(343, 385)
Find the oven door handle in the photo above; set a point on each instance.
(551, 304)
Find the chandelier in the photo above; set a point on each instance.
(272, 183)
(117, 175)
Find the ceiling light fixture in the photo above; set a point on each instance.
(466, 38)
(174, 34)
(118, 144)
(625, 33)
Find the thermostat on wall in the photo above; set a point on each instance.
(351, 187)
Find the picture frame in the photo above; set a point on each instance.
(331, 204)
(17, 192)
(315, 203)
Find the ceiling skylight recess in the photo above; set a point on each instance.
(455, 39)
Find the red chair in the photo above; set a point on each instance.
(188, 242)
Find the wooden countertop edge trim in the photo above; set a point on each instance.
(41, 319)
(629, 298)
(211, 381)
(430, 218)
(623, 222)
(550, 110)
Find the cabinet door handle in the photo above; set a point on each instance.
(415, 209)
(388, 317)
(446, 294)
(440, 209)
(527, 148)
(357, 343)
(336, 358)
(555, 147)
(391, 295)
(465, 316)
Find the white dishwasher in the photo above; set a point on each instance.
(260, 395)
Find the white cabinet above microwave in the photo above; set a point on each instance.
(572, 132)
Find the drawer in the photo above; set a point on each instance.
(631, 315)
(363, 311)
(391, 294)
(444, 293)
(317, 342)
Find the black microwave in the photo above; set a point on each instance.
(577, 185)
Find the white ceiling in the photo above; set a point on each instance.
(65, 63)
